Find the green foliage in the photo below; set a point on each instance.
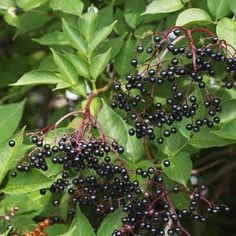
(52, 48)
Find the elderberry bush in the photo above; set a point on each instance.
(117, 118)
(173, 64)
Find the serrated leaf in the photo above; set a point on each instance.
(163, 6)
(23, 184)
(74, 7)
(8, 154)
(226, 29)
(65, 66)
(53, 38)
(27, 5)
(83, 226)
(88, 24)
(99, 63)
(80, 65)
(10, 117)
(180, 168)
(75, 38)
(218, 8)
(114, 126)
(38, 77)
(111, 222)
(100, 36)
(193, 15)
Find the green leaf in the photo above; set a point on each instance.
(10, 117)
(180, 168)
(144, 164)
(122, 62)
(75, 38)
(111, 222)
(228, 111)
(163, 6)
(30, 4)
(180, 200)
(132, 12)
(172, 143)
(227, 131)
(100, 36)
(105, 16)
(88, 24)
(121, 27)
(74, 7)
(218, 8)
(207, 139)
(24, 184)
(31, 21)
(79, 63)
(115, 44)
(38, 77)
(71, 232)
(114, 126)
(65, 66)
(99, 63)
(8, 154)
(193, 15)
(226, 29)
(232, 5)
(54, 38)
(82, 224)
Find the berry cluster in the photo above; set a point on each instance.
(169, 82)
(97, 178)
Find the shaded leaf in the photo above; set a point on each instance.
(132, 12)
(10, 117)
(111, 222)
(82, 224)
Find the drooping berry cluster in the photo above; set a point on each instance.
(97, 178)
(169, 82)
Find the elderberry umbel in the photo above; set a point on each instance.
(174, 80)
